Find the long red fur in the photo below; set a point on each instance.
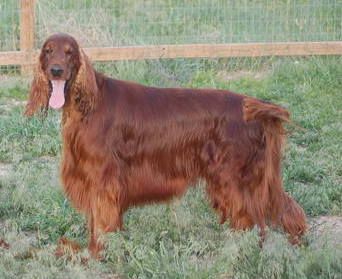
(126, 144)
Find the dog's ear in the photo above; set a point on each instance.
(85, 86)
(39, 92)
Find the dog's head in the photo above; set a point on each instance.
(63, 74)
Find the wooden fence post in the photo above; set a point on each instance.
(27, 28)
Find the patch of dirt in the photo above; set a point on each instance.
(10, 104)
(47, 158)
(4, 244)
(22, 243)
(240, 74)
(9, 81)
(4, 169)
(327, 228)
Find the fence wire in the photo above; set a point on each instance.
(105, 23)
(130, 22)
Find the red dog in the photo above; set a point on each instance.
(126, 144)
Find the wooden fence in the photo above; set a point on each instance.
(27, 55)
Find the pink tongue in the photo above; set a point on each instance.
(57, 96)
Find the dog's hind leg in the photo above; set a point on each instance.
(229, 202)
(237, 191)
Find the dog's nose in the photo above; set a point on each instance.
(56, 71)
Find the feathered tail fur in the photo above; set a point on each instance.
(282, 210)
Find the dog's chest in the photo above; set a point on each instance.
(84, 162)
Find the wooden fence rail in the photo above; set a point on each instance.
(27, 55)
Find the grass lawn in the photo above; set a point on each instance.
(182, 239)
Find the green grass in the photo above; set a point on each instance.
(182, 239)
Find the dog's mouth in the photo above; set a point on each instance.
(57, 98)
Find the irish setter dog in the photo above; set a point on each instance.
(125, 144)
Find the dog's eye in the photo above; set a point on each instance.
(48, 50)
(68, 52)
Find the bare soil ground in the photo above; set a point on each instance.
(4, 169)
(327, 228)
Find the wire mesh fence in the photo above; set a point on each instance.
(104, 23)
(119, 23)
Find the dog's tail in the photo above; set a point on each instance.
(282, 209)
